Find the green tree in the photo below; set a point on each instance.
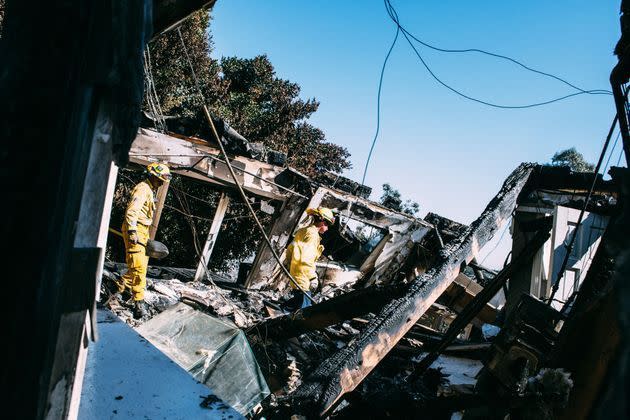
(392, 199)
(174, 82)
(259, 105)
(246, 93)
(573, 159)
(267, 109)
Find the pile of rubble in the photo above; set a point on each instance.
(217, 295)
(285, 361)
(417, 326)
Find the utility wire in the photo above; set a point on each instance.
(378, 105)
(611, 152)
(197, 245)
(153, 100)
(498, 242)
(389, 7)
(399, 28)
(231, 170)
(620, 155)
(394, 17)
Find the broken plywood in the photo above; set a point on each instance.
(461, 292)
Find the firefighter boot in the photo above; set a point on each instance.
(140, 310)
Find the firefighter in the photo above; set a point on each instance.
(302, 254)
(135, 229)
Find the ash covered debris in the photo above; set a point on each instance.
(378, 314)
(285, 362)
(562, 345)
(241, 306)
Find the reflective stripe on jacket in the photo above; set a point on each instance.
(141, 206)
(303, 252)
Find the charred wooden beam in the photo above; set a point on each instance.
(480, 300)
(562, 178)
(343, 371)
(193, 158)
(475, 351)
(330, 312)
(213, 234)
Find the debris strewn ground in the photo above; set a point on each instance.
(364, 347)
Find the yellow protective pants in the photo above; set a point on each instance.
(137, 261)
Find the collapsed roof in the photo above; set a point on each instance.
(394, 293)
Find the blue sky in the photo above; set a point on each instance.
(448, 154)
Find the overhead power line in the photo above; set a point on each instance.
(620, 155)
(498, 242)
(611, 152)
(399, 28)
(378, 105)
(394, 16)
(392, 13)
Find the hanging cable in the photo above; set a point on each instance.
(251, 210)
(389, 7)
(620, 156)
(611, 152)
(569, 247)
(507, 227)
(153, 100)
(399, 28)
(197, 245)
(378, 105)
(231, 170)
(394, 16)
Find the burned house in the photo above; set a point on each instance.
(397, 294)
(392, 303)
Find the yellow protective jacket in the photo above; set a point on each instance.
(302, 253)
(140, 207)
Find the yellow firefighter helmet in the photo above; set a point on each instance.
(159, 170)
(323, 213)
